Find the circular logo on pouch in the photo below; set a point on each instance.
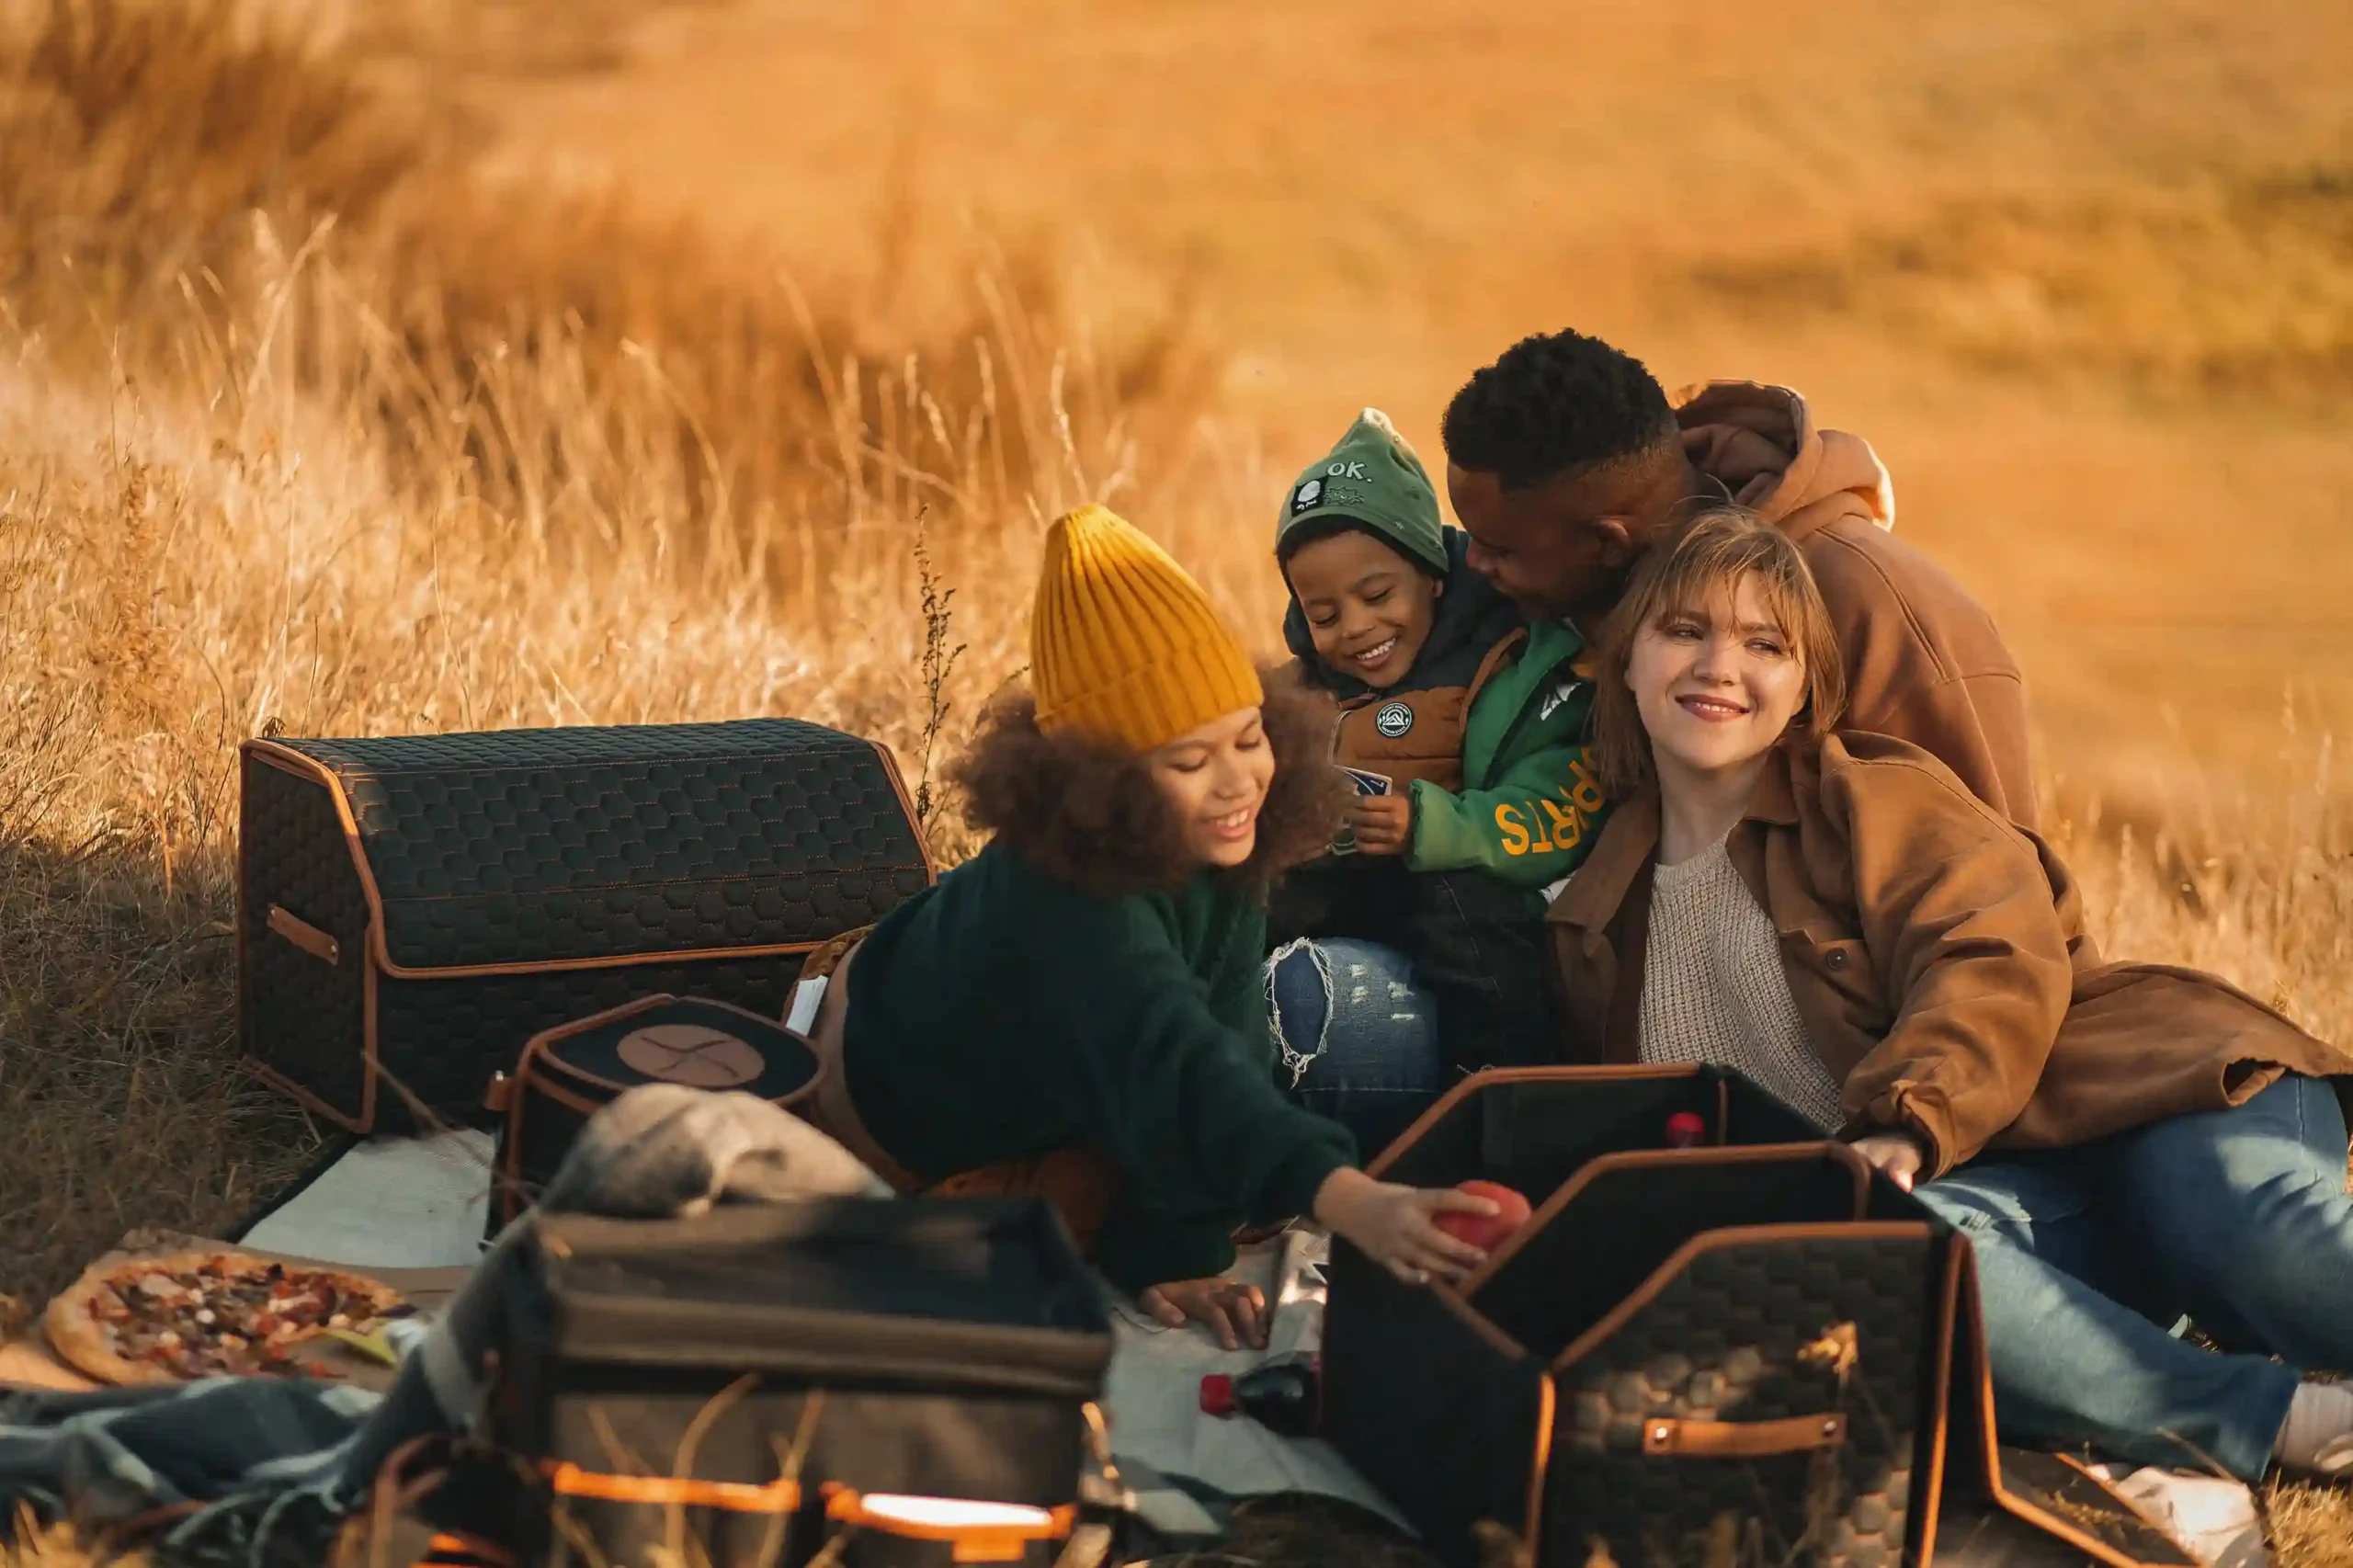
(1393, 718)
(694, 1055)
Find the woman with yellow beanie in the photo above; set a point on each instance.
(1080, 1010)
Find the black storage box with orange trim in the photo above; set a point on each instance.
(1754, 1350)
(567, 1073)
(922, 1374)
(412, 909)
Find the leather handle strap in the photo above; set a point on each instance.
(780, 1496)
(1664, 1436)
(304, 934)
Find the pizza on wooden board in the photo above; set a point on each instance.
(206, 1314)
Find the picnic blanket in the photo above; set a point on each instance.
(256, 1471)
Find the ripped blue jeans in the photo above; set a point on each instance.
(1358, 1039)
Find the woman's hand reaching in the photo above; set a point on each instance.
(1394, 1225)
(1898, 1154)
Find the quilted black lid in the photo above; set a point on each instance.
(527, 848)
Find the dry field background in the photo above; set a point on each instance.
(420, 366)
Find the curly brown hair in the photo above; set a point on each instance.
(1092, 819)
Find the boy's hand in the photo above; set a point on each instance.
(1383, 824)
(1232, 1311)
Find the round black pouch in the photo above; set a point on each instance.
(567, 1073)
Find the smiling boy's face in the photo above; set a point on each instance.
(1369, 608)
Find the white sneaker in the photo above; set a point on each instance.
(2334, 1461)
(2317, 1437)
(2212, 1517)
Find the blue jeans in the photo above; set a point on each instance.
(1358, 1039)
(2237, 1218)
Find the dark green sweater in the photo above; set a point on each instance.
(1002, 1014)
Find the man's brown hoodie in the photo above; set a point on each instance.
(1924, 661)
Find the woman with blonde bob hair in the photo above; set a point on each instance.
(1834, 914)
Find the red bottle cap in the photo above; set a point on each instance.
(1685, 1128)
(1217, 1394)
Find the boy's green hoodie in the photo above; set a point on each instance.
(1509, 699)
(1530, 804)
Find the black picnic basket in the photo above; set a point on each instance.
(1754, 1350)
(412, 909)
(906, 1384)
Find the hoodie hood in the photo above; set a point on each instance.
(1471, 618)
(1760, 443)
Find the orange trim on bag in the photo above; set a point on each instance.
(996, 1540)
(1931, 1496)
(782, 1495)
(907, 806)
(461, 1552)
(1540, 1468)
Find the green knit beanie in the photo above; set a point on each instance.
(1372, 477)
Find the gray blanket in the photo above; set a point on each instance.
(252, 1470)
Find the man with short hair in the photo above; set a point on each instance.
(1568, 462)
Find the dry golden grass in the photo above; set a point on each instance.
(462, 458)
(2103, 286)
(1367, 199)
(315, 415)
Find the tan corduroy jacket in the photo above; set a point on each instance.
(1938, 958)
(1923, 660)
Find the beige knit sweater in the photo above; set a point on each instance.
(1713, 989)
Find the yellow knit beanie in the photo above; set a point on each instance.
(1125, 650)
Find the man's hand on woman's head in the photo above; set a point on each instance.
(1383, 824)
(1898, 1154)
(1394, 1226)
(1235, 1313)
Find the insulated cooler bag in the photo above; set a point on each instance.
(412, 909)
(567, 1073)
(919, 1376)
(1753, 1351)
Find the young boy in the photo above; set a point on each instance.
(1462, 725)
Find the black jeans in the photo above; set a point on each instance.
(1477, 947)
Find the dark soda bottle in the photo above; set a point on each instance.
(1284, 1395)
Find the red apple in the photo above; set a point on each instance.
(1486, 1232)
